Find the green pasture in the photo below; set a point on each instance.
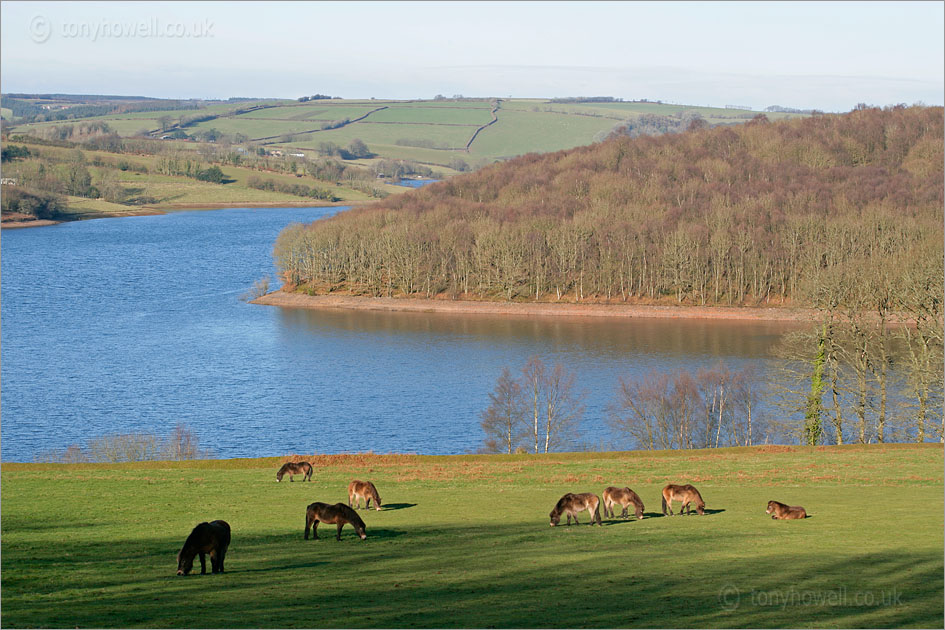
(463, 104)
(129, 123)
(380, 134)
(321, 113)
(422, 114)
(517, 133)
(253, 127)
(464, 542)
(122, 125)
(83, 206)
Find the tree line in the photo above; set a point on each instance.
(734, 215)
(182, 443)
(540, 409)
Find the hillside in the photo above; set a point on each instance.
(762, 213)
(284, 152)
(442, 133)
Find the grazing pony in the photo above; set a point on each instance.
(625, 497)
(782, 512)
(358, 490)
(685, 494)
(570, 504)
(295, 468)
(212, 538)
(338, 513)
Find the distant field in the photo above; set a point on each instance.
(177, 191)
(256, 127)
(379, 134)
(541, 132)
(322, 113)
(464, 541)
(432, 130)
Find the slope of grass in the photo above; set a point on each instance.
(524, 125)
(464, 542)
(473, 115)
(516, 133)
(179, 191)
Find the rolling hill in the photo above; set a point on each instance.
(750, 214)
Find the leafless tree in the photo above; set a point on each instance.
(503, 420)
(562, 405)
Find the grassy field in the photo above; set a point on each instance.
(464, 542)
(172, 192)
(524, 125)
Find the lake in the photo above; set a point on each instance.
(414, 183)
(136, 324)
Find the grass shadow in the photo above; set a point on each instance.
(298, 565)
(618, 519)
(397, 506)
(384, 533)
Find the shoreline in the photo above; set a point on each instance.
(147, 211)
(541, 309)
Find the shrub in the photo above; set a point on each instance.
(181, 444)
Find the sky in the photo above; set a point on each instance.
(822, 55)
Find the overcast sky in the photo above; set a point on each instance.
(822, 55)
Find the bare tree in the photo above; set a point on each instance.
(746, 401)
(183, 443)
(920, 299)
(541, 407)
(641, 411)
(503, 419)
(533, 375)
(563, 407)
(659, 411)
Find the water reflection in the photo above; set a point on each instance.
(604, 337)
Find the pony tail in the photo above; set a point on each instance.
(664, 505)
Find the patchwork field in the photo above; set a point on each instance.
(432, 132)
(464, 542)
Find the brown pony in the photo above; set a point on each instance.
(358, 490)
(295, 468)
(625, 497)
(338, 513)
(212, 538)
(684, 494)
(570, 504)
(782, 512)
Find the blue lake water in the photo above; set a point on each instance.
(136, 324)
(415, 183)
